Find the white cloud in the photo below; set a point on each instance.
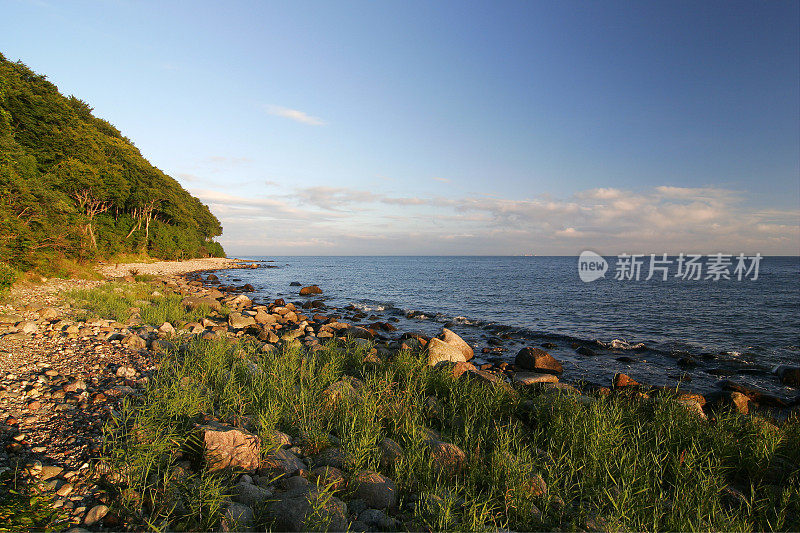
(296, 115)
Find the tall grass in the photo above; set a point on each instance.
(119, 301)
(610, 463)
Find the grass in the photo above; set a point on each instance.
(116, 301)
(609, 463)
(24, 508)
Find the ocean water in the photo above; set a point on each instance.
(729, 329)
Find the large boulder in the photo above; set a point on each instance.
(448, 459)
(439, 351)
(537, 360)
(457, 342)
(226, 447)
(377, 490)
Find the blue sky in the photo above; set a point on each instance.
(450, 127)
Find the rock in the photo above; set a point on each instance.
(329, 477)
(262, 317)
(227, 447)
(457, 342)
(375, 489)
(281, 461)
(730, 399)
(490, 378)
(126, 372)
(65, 490)
(538, 360)
(331, 456)
(240, 321)
(622, 380)
(585, 350)
(195, 302)
(237, 517)
(27, 327)
(10, 319)
(307, 510)
(134, 342)
(439, 351)
(448, 458)
(693, 405)
(167, 329)
(536, 485)
(789, 375)
(49, 472)
(526, 379)
(279, 438)
(249, 494)
(295, 284)
(95, 514)
(391, 453)
(311, 289)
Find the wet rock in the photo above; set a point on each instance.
(456, 342)
(537, 360)
(789, 375)
(585, 350)
(227, 447)
(311, 289)
(375, 489)
(295, 284)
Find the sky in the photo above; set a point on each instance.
(449, 128)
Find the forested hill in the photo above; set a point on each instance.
(71, 185)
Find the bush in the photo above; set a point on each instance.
(8, 275)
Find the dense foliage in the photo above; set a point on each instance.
(72, 186)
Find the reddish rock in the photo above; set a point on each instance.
(311, 289)
(623, 380)
(537, 360)
(227, 447)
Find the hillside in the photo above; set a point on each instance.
(73, 187)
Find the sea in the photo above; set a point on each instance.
(679, 331)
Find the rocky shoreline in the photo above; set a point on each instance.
(62, 379)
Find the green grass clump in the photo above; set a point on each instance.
(24, 508)
(8, 276)
(119, 300)
(611, 463)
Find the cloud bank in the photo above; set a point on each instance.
(339, 220)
